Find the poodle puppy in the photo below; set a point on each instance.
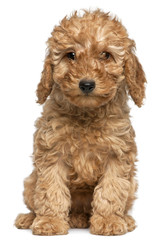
(84, 148)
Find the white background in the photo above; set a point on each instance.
(24, 29)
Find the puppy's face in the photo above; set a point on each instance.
(86, 59)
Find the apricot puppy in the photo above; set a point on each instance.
(84, 149)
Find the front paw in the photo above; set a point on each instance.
(112, 225)
(44, 225)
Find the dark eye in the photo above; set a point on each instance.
(105, 55)
(71, 55)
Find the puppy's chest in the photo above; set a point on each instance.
(89, 151)
(87, 148)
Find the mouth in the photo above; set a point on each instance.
(89, 100)
(92, 95)
(88, 95)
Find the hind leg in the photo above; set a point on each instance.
(80, 208)
(131, 225)
(24, 221)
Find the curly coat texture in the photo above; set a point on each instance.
(84, 149)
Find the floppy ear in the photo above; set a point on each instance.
(135, 77)
(45, 86)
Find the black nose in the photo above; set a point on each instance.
(87, 86)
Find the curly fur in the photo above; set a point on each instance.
(84, 149)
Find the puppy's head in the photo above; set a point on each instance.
(88, 59)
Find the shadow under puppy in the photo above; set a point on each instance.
(84, 149)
